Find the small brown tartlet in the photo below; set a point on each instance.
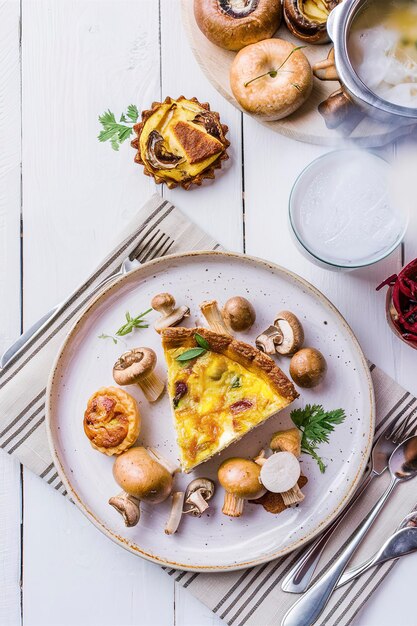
(180, 142)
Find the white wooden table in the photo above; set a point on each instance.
(62, 195)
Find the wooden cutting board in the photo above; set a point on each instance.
(306, 124)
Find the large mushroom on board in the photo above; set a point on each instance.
(240, 479)
(307, 19)
(239, 314)
(144, 476)
(136, 367)
(171, 315)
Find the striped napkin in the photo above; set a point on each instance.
(252, 596)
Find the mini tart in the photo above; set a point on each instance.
(222, 394)
(111, 420)
(233, 24)
(180, 142)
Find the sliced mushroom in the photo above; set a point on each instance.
(210, 310)
(211, 123)
(197, 494)
(127, 506)
(239, 314)
(240, 479)
(287, 441)
(326, 69)
(136, 367)
(292, 333)
(266, 340)
(279, 472)
(158, 156)
(175, 515)
(293, 495)
(164, 303)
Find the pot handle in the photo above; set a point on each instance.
(331, 20)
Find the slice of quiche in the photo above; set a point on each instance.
(220, 388)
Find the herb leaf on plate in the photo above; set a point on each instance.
(203, 343)
(190, 354)
(133, 322)
(316, 424)
(118, 131)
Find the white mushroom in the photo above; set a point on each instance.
(292, 333)
(136, 367)
(279, 472)
(197, 494)
(210, 310)
(175, 515)
(171, 315)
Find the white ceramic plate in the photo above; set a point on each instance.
(213, 542)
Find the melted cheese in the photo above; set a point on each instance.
(223, 401)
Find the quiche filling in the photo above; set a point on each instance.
(216, 400)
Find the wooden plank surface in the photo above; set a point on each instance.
(80, 57)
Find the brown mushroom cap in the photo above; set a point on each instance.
(241, 478)
(239, 313)
(134, 365)
(308, 367)
(163, 302)
(140, 476)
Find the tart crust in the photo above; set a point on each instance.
(195, 149)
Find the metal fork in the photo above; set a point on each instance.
(149, 247)
(299, 577)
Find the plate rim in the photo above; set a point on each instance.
(133, 547)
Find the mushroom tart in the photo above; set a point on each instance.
(233, 24)
(111, 420)
(180, 142)
(307, 19)
(220, 389)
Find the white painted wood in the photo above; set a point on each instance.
(10, 490)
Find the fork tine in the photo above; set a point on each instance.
(150, 253)
(141, 254)
(168, 248)
(412, 425)
(399, 429)
(158, 252)
(143, 244)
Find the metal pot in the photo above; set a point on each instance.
(338, 25)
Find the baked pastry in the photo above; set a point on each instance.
(307, 19)
(111, 420)
(233, 25)
(180, 142)
(271, 79)
(222, 393)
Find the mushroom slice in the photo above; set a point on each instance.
(127, 506)
(292, 496)
(287, 441)
(266, 340)
(292, 333)
(210, 310)
(158, 156)
(280, 472)
(175, 515)
(164, 303)
(211, 123)
(197, 494)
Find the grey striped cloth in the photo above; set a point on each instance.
(252, 597)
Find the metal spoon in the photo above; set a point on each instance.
(402, 541)
(402, 466)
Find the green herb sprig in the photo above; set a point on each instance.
(316, 424)
(130, 324)
(118, 132)
(274, 73)
(193, 353)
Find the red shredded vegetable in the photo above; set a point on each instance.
(404, 300)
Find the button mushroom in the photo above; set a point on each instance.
(239, 314)
(197, 494)
(287, 441)
(142, 477)
(171, 315)
(308, 367)
(137, 367)
(240, 479)
(285, 337)
(210, 310)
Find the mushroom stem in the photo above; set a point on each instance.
(127, 506)
(210, 310)
(175, 515)
(152, 386)
(169, 466)
(233, 505)
(197, 499)
(292, 496)
(260, 458)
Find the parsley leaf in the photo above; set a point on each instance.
(133, 322)
(117, 132)
(104, 336)
(316, 424)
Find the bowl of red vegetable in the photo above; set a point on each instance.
(401, 303)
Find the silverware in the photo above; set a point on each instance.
(402, 466)
(299, 577)
(402, 541)
(147, 249)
